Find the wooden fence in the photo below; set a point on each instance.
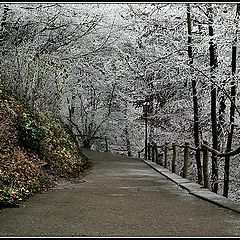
(160, 155)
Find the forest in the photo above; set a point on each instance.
(93, 66)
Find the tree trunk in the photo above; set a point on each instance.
(213, 65)
(129, 153)
(221, 114)
(232, 111)
(195, 99)
(3, 21)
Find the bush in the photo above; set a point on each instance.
(29, 133)
(35, 149)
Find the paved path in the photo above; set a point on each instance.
(119, 197)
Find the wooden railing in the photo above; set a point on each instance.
(160, 155)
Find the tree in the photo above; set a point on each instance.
(195, 100)
(213, 66)
(232, 107)
(37, 38)
(93, 65)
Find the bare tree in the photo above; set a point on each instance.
(213, 66)
(232, 107)
(195, 99)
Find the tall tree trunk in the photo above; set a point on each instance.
(213, 65)
(232, 109)
(195, 99)
(151, 124)
(126, 132)
(221, 114)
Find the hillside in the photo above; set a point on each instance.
(35, 150)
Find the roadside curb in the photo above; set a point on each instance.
(195, 188)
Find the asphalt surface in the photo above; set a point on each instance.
(121, 197)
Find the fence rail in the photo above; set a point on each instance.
(160, 155)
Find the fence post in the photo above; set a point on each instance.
(165, 155)
(138, 154)
(106, 144)
(186, 159)
(148, 151)
(205, 166)
(174, 158)
(160, 156)
(156, 154)
(153, 151)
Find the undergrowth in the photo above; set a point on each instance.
(35, 149)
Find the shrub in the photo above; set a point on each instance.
(29, 133)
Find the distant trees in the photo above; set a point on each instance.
(36, 37)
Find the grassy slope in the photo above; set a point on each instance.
(34, 150)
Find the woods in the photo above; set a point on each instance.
(95, 65)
